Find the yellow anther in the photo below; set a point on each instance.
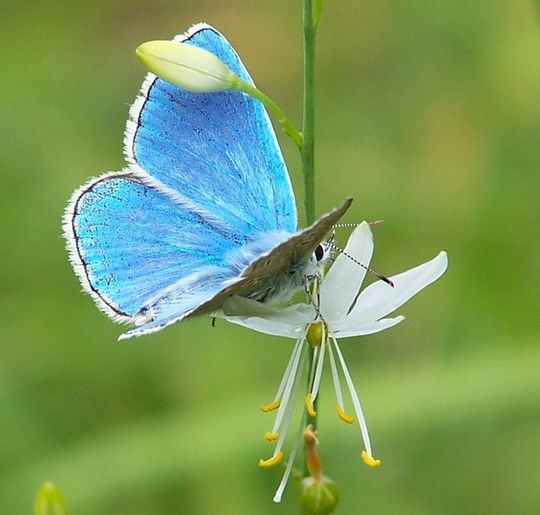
(271, 407)
(344, 416)
(270, 437)
(315, 334)
(309, 406)
(370, 461)
(270, 462)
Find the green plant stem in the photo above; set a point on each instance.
(308, 131)
(308, 128)
(280, 116)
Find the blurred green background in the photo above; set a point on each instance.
(429, 115)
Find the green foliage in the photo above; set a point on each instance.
(428, 114)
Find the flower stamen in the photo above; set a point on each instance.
(284, 415)
(309, 406)
(290, 375)
(356, 403)
(348, 419)
(266, 408)
(318, 369)
(369, 460)
(271, 437)
(278, 398)
(290, 462)
(270, 462)
(335, 380)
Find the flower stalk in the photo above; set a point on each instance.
(276, 111)
(311, 14)
(308, 124)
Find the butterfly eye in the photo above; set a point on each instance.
(319, 252)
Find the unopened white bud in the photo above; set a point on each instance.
(186, 66)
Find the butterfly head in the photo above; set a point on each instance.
(323, 253)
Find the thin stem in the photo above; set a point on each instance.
(280, 116)
(308, 146)
(308, 130)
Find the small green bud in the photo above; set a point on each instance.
(49, 501)
(318, 497)
(186, 66)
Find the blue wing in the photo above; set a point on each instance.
(129, 243)
(217, 152)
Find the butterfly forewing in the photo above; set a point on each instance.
(216, 151)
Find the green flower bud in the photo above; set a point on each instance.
(49, 501)
(186, 66)
(318, 497)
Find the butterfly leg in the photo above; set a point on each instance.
(314, 294)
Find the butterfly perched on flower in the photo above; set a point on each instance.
(203, 210)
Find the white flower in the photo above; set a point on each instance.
(187, 66)
(342, 313)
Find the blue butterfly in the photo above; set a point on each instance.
(204, 209)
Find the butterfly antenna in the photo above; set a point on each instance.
(354, 260)
(340, 226)
(375, 223)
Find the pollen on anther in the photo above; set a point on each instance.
(270, 407)
(270, 462)
(344, 416)
(370, 461)
(309, 406)
(270, 437)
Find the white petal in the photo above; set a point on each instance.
(379, 299)
(297, 314)
(342, 282)
(265, 326)
(346, 329)
(288, 322)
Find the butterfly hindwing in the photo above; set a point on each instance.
(128, 241)
(216, 151)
